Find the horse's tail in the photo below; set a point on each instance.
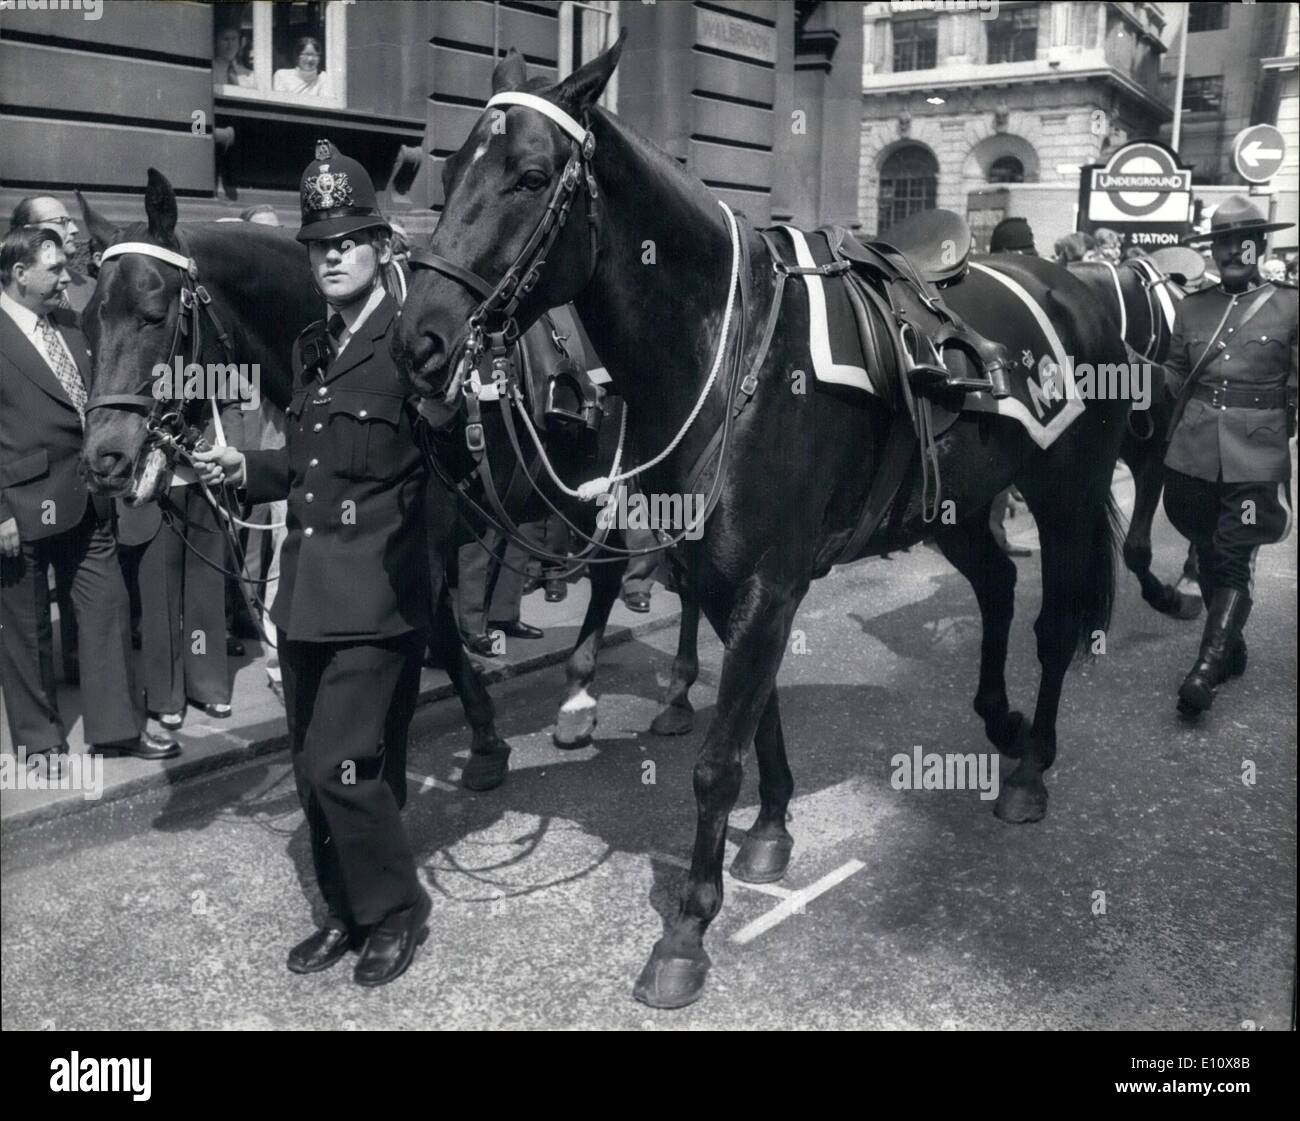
(1097, 591)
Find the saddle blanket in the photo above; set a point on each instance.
(1043, 398)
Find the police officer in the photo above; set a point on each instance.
(1232, 366)
(352, 608)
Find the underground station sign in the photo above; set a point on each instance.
(1141, 192)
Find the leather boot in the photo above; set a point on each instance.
(1229, 609)
(1237, 652)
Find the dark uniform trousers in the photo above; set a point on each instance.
(352, 613)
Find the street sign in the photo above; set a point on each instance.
(1257, 153)
(1141, 192)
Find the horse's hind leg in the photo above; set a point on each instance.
(759, 626)
(489, 754)
(765, 852)
(1078, 588)
(576, 722)
(677, 716)
(973, 551)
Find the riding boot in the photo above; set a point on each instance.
(1229, 610)
(1237, 653)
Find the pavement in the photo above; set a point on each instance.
(257, 727)
(1158, 893)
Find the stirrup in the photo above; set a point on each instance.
(929, 380)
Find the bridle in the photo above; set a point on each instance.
(493, 330)
(164, 426)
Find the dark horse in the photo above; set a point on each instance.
(1140, 298)
(796, 468)
(262, 294)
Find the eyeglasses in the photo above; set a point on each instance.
(65, 222)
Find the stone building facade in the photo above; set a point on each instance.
(1001, 113)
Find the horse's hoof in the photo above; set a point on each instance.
(575, 727)
(486, 770)
(761, 860)
(674, 720)
(671, 982)
(1195, 696)
(1022, 805)
(1185, 606)
(1009, 733)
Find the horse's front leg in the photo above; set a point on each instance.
(677, 716)
(1148, 482)
(489, 754)
(576, 722)
(756, 630)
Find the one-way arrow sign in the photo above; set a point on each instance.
(1257, 153)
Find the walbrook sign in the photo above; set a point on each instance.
(1141, 192)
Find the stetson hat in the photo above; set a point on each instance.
(1237, 215)
(337, 197)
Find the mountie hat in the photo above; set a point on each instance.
(337, 197)
(1237, 215)
(1012, 234)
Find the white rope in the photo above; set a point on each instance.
(596, 487)
(541, 451)
(1119, 295)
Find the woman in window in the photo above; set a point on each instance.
(307, 77)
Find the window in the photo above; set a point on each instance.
(1006, 169)
(287, 52)
(1207, 17)
(915, 41)
(908, 183)
(1013, 36)
(1203, 95)
(587, 27)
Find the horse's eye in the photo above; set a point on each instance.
(531, 181)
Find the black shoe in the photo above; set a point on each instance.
(517, 629)
(327, 946)
(484, 645)
(1228, 613)
(638, 602)
(556, 591)
(391, 947)
(144, 746)
(215, 708)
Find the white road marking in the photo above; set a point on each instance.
(428, 782)
(794, 903)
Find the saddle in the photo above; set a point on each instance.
(894, 287)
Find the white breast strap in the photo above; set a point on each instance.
(1119, 295)
(546, 108)
(156, 251)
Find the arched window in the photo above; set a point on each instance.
(908, 183)
(1006, 169)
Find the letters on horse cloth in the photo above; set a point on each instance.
(1043, 396)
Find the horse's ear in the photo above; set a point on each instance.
(581, 89)
(160, 207)
(102, 231)
(511, 72)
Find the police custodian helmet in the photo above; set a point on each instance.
(337, 197)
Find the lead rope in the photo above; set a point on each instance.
(598, 486)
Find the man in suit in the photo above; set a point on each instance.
(353, 603)
(47, 517)
(1232, 365)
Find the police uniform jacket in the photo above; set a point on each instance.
(1238, 444)
(354, 566)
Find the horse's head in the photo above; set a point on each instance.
(517, 233)
(133, 323)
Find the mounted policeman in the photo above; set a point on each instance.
(1232, 368)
